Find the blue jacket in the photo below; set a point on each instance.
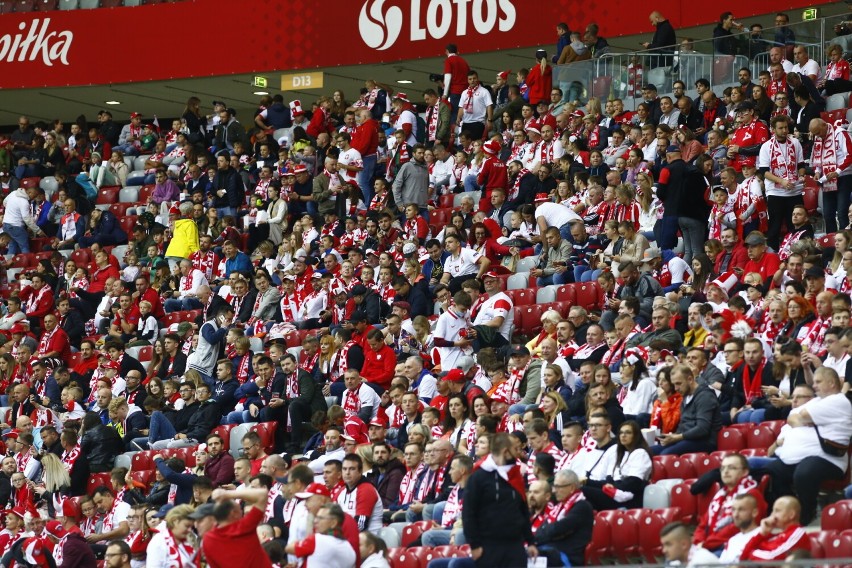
(240, 263)
(429, 265)
(183, 481)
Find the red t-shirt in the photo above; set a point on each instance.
(223, 545)
(766, 266)
(459, 69)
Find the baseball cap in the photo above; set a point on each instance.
(520, 351)
(672, 148)
(163, 511)
(465, 363)
(205, 510)
(409, 249)
(454, 376)
(314, 489)
(755, 239)
(651, 254)
(55, 529)
(814, 272)
(745, 105)
(135, 115)
(358, 290)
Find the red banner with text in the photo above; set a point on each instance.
(203, 38)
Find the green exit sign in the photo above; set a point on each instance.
(809, 14)
(261, 82)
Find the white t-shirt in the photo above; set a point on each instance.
(838, 365)
(736, 545)
(464, 264)
(811, 67)
(350, 157)
(475, 107)
(448, 327)
(679, 269)
(764, 160)
(407, 117)
(499, 305)
(833, 415)
(555, 214)
(325, 551)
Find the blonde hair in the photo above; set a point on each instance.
(178, 513)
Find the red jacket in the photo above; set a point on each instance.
(493, 174)
(739, 258)
(379, 365)
(60, 343)
(366, 138)
(539, 84)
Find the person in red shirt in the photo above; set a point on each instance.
(54, 341)
(455, 77)
(760, 260)
(254, 451)
(37, 301)
(734, 255)
(768, 545)
(540, 79)
(235, 533)
(492, 175)
(748, 138)
(379, 360)
(366, 141)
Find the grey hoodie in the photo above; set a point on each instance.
(411, 184)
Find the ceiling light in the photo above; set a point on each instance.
(404, 82)
(113, 102)
(260, 93)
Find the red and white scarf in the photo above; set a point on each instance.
(516, 185)
(408, 483)
(720, 509)
(351, 402)
(432, 114)
(782, 159)
(179, 554)
(274, 492)
(35, 298)
(564, 507)
(824, 157)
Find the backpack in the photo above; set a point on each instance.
(420, 135)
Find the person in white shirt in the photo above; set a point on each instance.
(549, 214)
(805, 65)
(776, 55)
(349, 161)
(837, 358)
(18, 218)
(461, 264)
(191, 279)
(744, 513)
(451, 335)
(803, 462)
(476, 107)
(678, 548)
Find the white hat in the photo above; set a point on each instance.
(726, 282)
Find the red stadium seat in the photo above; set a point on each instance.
(705, 463)
(760, 437)
(266, 431)
(521, 297)
(142, 461)
(649, 524)
(445, 551)
(446, 201)
(589, 296)
(566, 293)
(107, 196)
(840, 546)
(145, 477)
(145, 354)
(664, 464)
(81, 256)
(413, 531)
(96, 480)
(75, 359)
(774, 425)
(837, 516)
(119, 209)
(753, 452)
(599, 546)
(730, 439)
(224, 432)
(625, 537)
(832, 116)
(423, 554)
(22, 260)
(811, 195)
(682, 468)
(685, 501)
(817, 540)
(704, 499)
(530, 318)
(401, 558)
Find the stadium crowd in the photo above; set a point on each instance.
(357, 281)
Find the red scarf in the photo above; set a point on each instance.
(564, 507)
(753, 382)
(824, 156)
(242, 368)
(180, 554)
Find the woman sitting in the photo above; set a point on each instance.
(628, 465)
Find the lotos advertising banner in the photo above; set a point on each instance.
(204, 38)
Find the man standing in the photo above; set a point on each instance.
(831, 159)
(475, 108)
(210, 338)
(456, 71)
(677, 179)
(438, 119)
(228, 189)
(234, 531)
(495, 513)
(664, 39)
(366, 141)
(411, 184)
